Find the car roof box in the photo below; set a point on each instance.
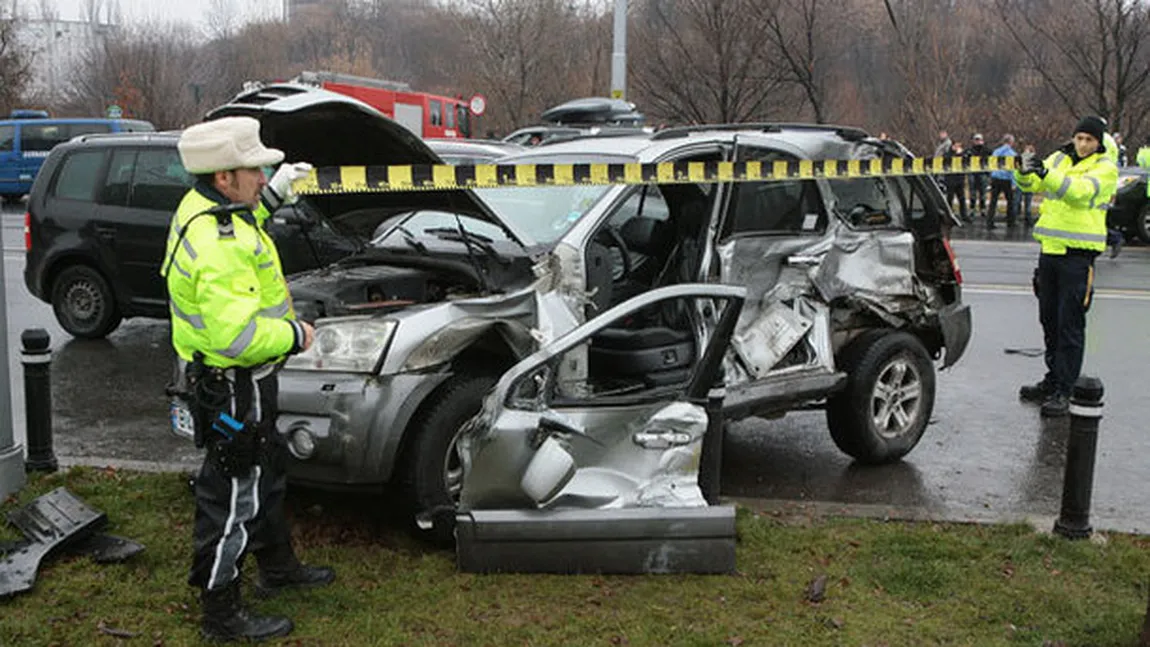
(593, 110)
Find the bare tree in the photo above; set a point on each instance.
(145, 71)
(15, 64)
(799, 31)
(1091, 54)
(90, 10)
(703, 61)
(49, 10)
(222, 18)
(525, 54)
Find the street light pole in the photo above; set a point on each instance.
(11, 455)
(619, 52)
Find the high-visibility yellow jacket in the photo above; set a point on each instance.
(1143, 158)
(1073, 213)
(226, 289)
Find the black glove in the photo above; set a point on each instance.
(1032, 163)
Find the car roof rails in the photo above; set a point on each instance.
(136, 135)
(846, 132)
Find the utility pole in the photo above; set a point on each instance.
(619, 52)
(11, 455)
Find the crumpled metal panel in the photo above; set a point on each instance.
(874, 265)
(762, 344)
(619, 463)
(873, 268)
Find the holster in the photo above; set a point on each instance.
(222, 411)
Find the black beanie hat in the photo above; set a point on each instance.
(1093, 126)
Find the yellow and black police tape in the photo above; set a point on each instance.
(438, 177)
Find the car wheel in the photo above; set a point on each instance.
(1142, 224)
(433, 477)
(884, 409)
(84, 304)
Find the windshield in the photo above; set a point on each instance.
(546, 213)
(543, 213)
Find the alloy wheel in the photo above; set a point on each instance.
(896, 398)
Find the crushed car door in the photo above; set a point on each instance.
(629, 434)
(770, 237)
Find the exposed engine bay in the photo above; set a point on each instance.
(380, 282)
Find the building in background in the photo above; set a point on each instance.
(58, 48)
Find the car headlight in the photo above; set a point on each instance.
(345, 344)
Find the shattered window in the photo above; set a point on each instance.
(863, 202)
(787, 207)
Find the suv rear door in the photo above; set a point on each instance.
(769, 238)
(142, 189)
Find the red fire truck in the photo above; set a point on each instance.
(427, 115)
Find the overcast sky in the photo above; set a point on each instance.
(134, 11)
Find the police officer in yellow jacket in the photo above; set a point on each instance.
(1077, 182)
(232, 326)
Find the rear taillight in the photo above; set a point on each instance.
(27, 231)
(953, 261)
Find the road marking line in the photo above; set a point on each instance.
(1102, 293)
(962, 242)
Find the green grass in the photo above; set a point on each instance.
(888, 583)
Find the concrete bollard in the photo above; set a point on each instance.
(1078, 483)
(36, 355)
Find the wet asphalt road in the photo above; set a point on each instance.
(984, 455)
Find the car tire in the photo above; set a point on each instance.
(84, 304)
(433, 473)
(882, 413)
(1142, 224)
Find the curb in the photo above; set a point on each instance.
(126, 464)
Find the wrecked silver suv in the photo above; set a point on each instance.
(852, 295)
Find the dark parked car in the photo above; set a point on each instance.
(1130, 211)
(97, 224)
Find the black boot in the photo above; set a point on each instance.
(1055, 406)
(1036, 393)
(302, 577)
(225, 620)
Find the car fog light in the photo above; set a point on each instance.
(301, 443)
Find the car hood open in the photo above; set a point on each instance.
(329, 129)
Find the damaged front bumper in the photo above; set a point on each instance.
(345, 429)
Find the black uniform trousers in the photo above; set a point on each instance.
(1065, 290)
(1005, 188)
(244, 514)
(956, 190)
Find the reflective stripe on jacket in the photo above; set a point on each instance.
(1073, 213)
(227, 294)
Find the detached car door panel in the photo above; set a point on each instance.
(606, 441)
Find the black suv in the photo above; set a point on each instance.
(97, 223)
